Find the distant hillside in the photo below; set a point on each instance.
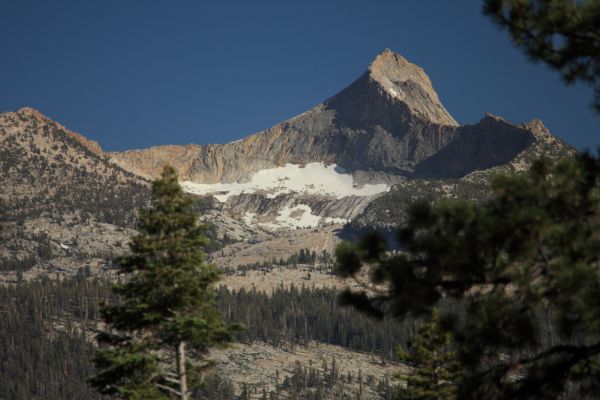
(61, 196)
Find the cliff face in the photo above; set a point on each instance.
(390, 121)
(327, 164)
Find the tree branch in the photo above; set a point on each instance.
(168, 389)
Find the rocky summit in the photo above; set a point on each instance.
(359, 156)
(386, 128)
(388, 120)
(388, 123)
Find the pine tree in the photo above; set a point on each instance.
(524, 269)
(167, 318)
(435, 367)
(563, 34)
(245, 395)
(264, 394)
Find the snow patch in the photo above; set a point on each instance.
(313, 178)
(298, 216)
(249, 218)
(331, 220)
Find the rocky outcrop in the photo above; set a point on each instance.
(388, 123)
(410, 84)
(149, 163)
(389, 120)
(387, 127)
(324, 207)
(91, 145)
(491, 142)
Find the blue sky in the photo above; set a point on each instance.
(138, 73)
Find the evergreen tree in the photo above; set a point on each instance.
(564, 34)
(167, 318)
(435, 367)
(532, 250)
(245, 395)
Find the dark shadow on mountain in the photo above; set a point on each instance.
(352, 232)
(363, 105)
(370, 130)
(490, 143)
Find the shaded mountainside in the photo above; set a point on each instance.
(390, 120)
(390, 208)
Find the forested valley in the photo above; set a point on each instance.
(46, 338)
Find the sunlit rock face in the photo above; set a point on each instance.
(354, 161)
(388, 120)
(386, 127)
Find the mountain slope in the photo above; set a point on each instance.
(61, 197)
(384, 140)
(387, 128)
(389, 122)
(389, 209)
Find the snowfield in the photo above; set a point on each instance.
(313, 178)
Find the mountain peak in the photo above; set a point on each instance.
(32, 112)
(91, 145)
(408, 83)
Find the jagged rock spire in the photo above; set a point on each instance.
(408, 83)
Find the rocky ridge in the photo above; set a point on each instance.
(388, 127)
(388, 120)
(382, 142)
(389, 123)
(64, 204)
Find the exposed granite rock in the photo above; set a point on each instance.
(63, 205)
(491, 142)
(388, 124)
(326, 207)
(411, 85)
(388, 120)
